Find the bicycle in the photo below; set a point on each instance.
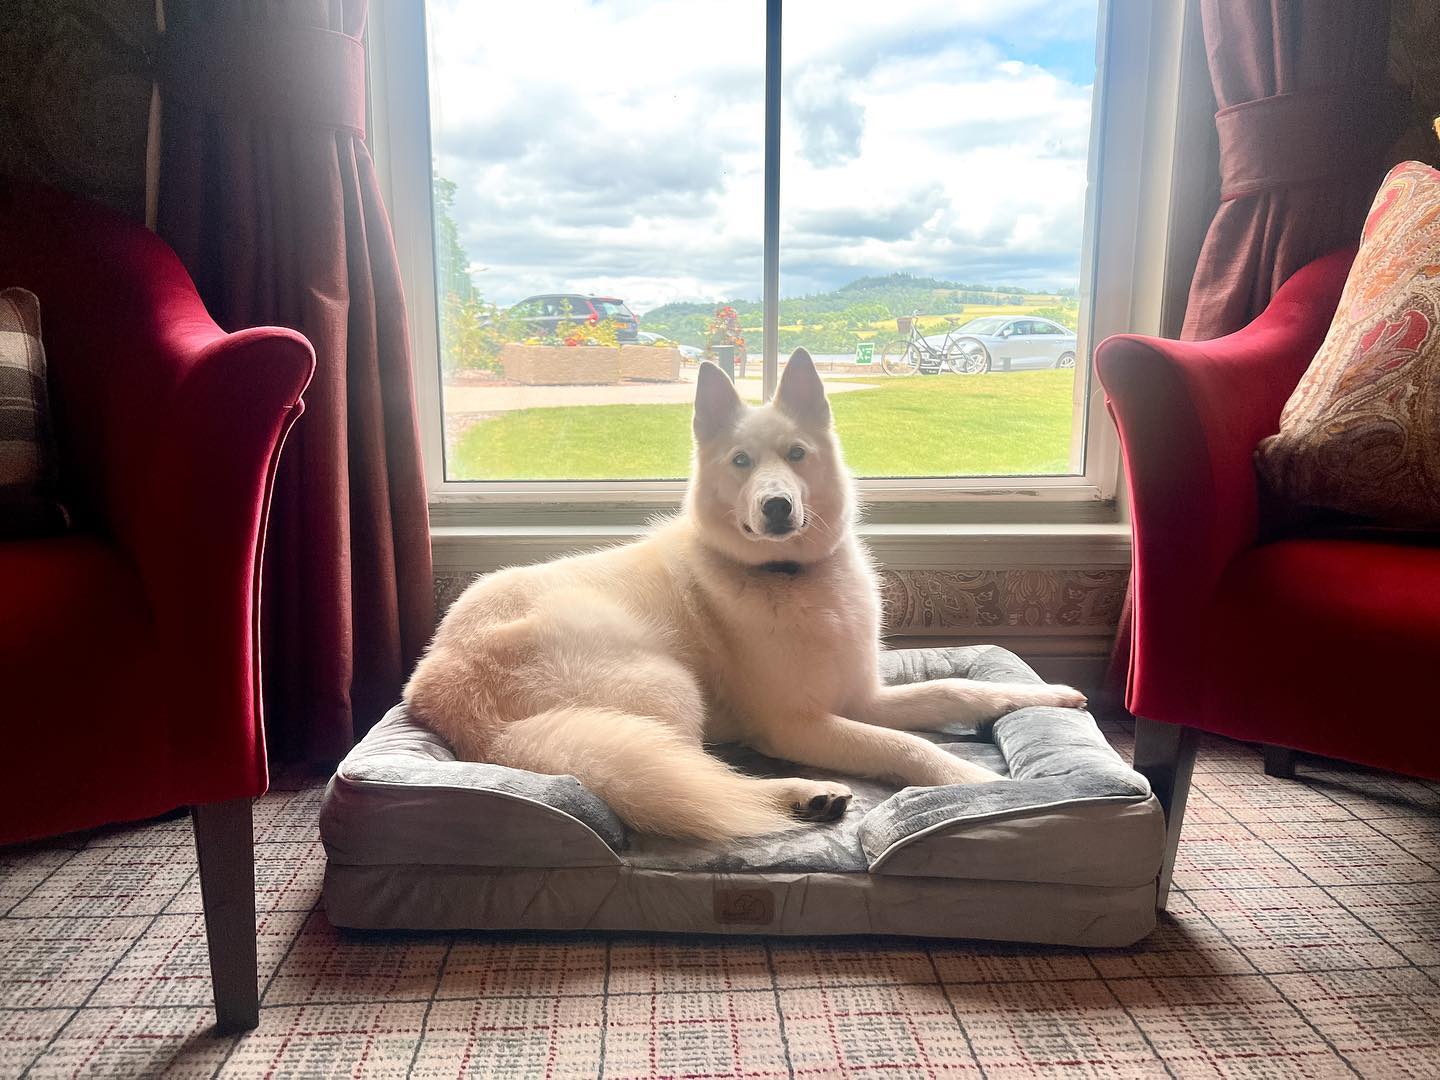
(912, 353)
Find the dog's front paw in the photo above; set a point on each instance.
(1066, 697)
(960, 771)
(820, 800)
(1012, 696)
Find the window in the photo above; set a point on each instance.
(991, 325)
(636, 192)
(614, 309)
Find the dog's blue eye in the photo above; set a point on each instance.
(741, 460)
(796, 453)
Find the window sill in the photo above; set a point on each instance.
(896, 546)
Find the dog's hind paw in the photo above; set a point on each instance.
(820, 801)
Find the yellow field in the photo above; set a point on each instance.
(937, 324)
(934, 324)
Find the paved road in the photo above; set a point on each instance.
(493, 399)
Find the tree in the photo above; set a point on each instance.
(1064, 314)
(472, 332)
(452, 265)
(865, 313)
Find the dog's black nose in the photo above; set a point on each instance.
(776, 509)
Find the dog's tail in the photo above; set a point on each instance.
(652, 777)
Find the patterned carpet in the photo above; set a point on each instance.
(1303, 939)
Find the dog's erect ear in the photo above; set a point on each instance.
(802, 395)
(717, 403)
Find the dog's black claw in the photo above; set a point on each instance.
(823, 808)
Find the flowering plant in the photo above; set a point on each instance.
(724, 329)
(593, 331)
(590, 331)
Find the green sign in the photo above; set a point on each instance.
(865, 352)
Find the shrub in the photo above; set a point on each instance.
(472, 333)
(592, 331)
(1065, 316)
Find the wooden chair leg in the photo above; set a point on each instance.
(1279, 762)
(1165, 755)
(224, 844)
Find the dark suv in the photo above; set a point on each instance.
(546, 311)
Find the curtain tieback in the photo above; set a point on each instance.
(293, 74)
(1300, 138)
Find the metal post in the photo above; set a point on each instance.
(725, 357)
(771, 332)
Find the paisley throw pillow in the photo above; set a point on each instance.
(1361, 432)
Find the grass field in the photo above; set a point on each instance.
(996, 424)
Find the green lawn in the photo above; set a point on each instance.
(991, 424)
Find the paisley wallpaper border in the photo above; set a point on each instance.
(1055, 599)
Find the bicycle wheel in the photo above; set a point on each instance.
(900, 357)
(968, 357)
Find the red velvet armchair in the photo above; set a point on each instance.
(1326, 645)
(129, 646)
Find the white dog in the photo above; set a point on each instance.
(753, 615)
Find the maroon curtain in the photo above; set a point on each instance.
(268, 193)
(1304, 117)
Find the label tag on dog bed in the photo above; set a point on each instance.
(752, 907)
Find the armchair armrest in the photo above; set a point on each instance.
(1190, 414)
(193, 519)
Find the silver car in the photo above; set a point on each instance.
(1008, 343)
(688, 352)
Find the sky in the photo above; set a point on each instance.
(616, 147)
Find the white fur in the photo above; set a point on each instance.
(616, 667)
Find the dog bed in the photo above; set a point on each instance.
(1066, 852)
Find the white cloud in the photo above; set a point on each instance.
(826, 116)
(617, 147)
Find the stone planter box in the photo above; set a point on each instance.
(588, 365)
(648, 363)
(560, 365)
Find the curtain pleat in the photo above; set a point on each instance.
(268, 193)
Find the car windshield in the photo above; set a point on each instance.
(989, 325)
(612, 309)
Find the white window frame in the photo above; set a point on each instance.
(1123, 284)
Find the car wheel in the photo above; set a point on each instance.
(969, 358)
(1067, 360)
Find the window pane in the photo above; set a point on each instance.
(605, 160)
(934, 159)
